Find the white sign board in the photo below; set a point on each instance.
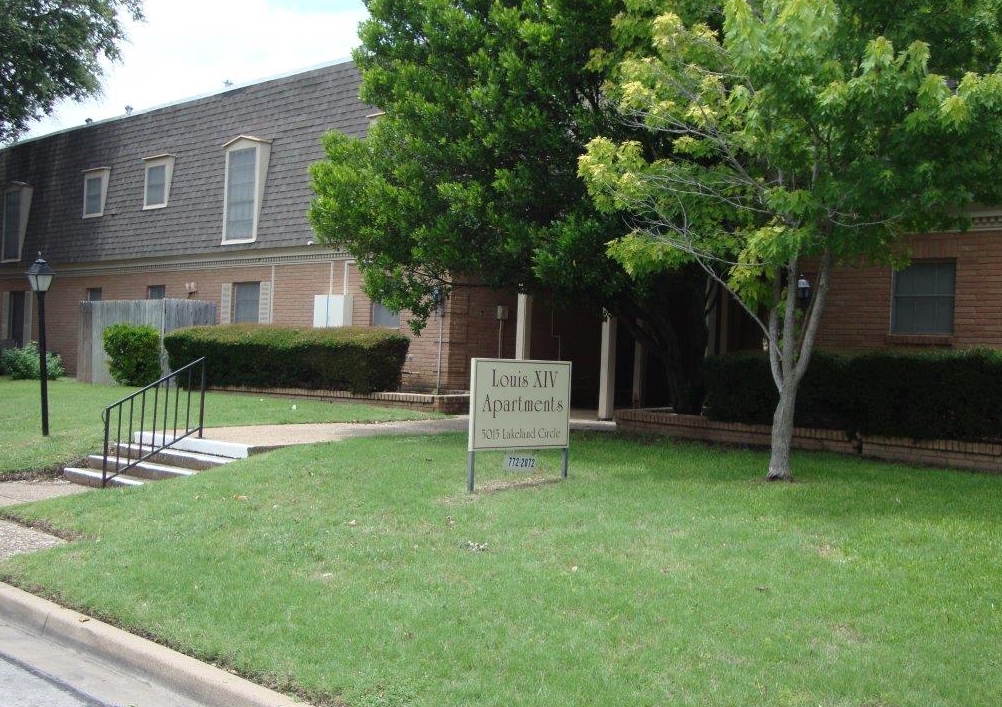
(519, 404)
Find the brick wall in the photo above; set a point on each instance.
(858, 313)
(439, 357)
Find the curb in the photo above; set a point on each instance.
(176, 671)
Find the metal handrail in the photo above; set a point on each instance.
(144, 451)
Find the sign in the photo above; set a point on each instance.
(519, 404)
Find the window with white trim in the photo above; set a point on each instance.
(383, 316)
(246, 168)
(156, 291)
(246, 302)
(156, 185)
(95, 191)
(15, 205)
(923, 298)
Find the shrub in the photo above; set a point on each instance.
(133, 353)
(24, 363)
(920, 395)
(740, 389)
(361, 360)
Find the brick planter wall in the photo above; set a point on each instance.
(975, 456)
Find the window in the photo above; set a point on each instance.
(923, 298)
(246, 302)
(385, 317)
(95, 191)
(16, 314)
(159, 171)
(15, 205)
(11, 225)
(246, 167)
(93, 294)
(156, 291)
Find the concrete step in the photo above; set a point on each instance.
(174, 457)
(148, 470)
(92, 477)
(231, 450)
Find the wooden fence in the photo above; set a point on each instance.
(165, 315)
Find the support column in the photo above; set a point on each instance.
(639, 374)
(607, 370)
(523, 327)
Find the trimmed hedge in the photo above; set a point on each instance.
(360, 360)
(919, 395)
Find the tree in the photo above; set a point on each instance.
(795, 133)
(50, 50)
(471, 174)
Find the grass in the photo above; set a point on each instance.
(361, 573)
(75, 427)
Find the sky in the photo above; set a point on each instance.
(189, 48)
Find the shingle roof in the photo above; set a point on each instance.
(292, 113)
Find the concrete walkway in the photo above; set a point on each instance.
(263, 437)
(16, 539)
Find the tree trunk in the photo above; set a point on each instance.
(782, 433)
(789, 356)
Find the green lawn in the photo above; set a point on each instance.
(76, 430)
(657, 574)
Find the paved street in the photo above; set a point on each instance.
(35, 672)
(20, 685)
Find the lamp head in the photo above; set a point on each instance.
(40, 275)
(803, 290)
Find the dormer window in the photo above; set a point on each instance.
(246, 168)
(95, 191)
(16, 202)
(156, 186)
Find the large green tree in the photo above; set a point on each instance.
(471, 174)
(51, 50)
(800, 130)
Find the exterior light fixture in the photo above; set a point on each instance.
(40, 277)
(803, 291)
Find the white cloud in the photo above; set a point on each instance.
(187, 48)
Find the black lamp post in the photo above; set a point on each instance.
(40, 276)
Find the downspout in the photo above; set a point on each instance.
(271, 298)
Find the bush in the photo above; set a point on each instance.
(133, 353)
(24, 363)
(361, 360)
(940, 395)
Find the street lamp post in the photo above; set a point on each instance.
(40, 276)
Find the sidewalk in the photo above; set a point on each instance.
(16, 539)
(264, 437)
